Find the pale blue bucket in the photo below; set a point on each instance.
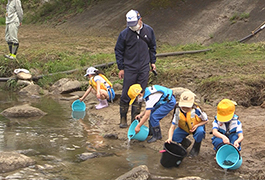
(228, 157)
(78, 105)
(141, 135)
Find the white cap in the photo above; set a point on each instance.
(132, 18)
(90, 70)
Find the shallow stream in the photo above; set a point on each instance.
(56, 140)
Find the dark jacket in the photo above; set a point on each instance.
(132, 52)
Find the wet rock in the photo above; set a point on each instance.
(111, 136)
(28, 152)
(10, 161)
(87, 155)
(137, 173)
(32, 90)
(22, 111)
(24, 82)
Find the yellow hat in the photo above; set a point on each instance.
(134, 91)
(225, 110)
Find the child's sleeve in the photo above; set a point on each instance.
(201, 115)
(175, 119)
(239, 127)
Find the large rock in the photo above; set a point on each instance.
(137, 173)
(23, 111)
(32, 90)
(65, 85)
(10, 161)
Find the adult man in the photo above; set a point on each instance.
(14, 17)
(135, 50)
(159, 102)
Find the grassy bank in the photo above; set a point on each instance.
(233, 70)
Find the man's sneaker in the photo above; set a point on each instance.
(7, 56)
(11, 56)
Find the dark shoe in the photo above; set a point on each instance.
(136, 109)
(123, 123)
(185, 143)
(195, 149)
(156, 134)
(123, 114)
(150, 129)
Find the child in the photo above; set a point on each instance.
(100, 86)
(190, 120)
(159, 102)
(226, 126)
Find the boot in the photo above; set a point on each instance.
(102, 104)
(156, 134)
(123, 114)
(136, 109)
(150, 129)
(195, 149)
(14, 50)
(185, 143)
(10, 44)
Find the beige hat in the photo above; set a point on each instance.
(187, 99)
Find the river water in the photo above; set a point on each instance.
(57, 140)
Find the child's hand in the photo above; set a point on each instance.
(138, 117)
(137, 129)
(169, 140)
(225, 140)
(236, 144)
(98, 95)
(194, 128)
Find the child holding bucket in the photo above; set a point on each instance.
(226, 126)
(190, 119)
(159, 102)
(100, 86)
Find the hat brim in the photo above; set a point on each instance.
(132, 23)
(226, 118)
(185, 104)
(131, 101)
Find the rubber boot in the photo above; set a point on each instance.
(102, 104)
(156, 134)
(10, 44)
(185, 143)
(14, 50)
(195, 149)
(123, 114)
(136, 109)
(150, 129)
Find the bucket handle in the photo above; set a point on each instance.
(162, 151)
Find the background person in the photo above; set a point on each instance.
(226, 126)
(135, 50)
(100, 86)
(159, 102)
(190, 120)
(14, 17)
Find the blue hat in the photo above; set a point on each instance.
(132, 18)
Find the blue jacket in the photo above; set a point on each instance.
(132, 52)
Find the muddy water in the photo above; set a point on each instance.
(56, 140)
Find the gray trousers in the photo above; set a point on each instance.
(11, 32)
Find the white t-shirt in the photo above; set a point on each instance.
(152, 100)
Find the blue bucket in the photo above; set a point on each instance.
(78, 114)
(141, 135)
(228, 157)
(78, 105)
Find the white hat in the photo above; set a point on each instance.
(90, 70)
(132, 18)
(187, 99)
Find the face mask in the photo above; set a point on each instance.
(140, 99)
(135, 28)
